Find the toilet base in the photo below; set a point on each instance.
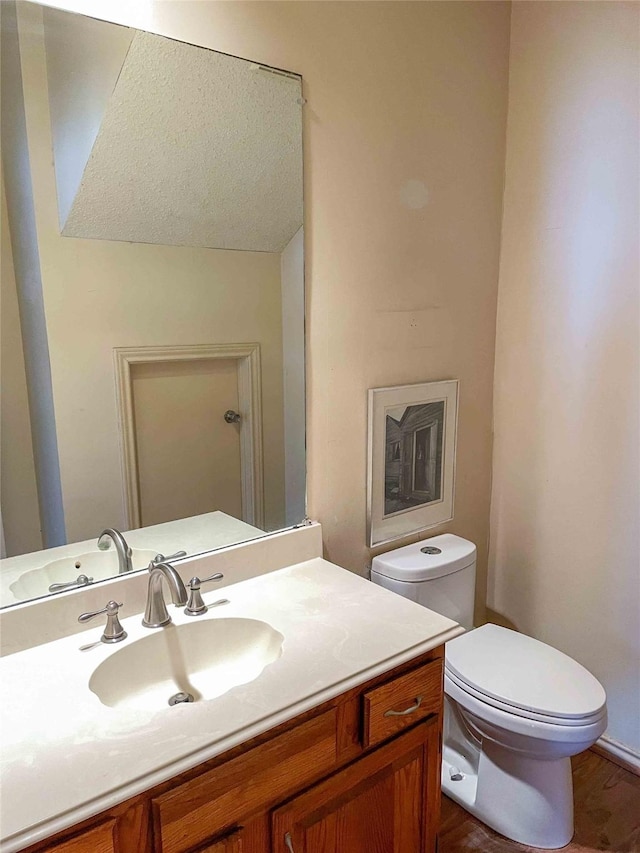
(525, 799)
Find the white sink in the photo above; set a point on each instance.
(202, 660)
(98, 565)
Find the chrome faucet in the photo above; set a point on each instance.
(122, 549)
(156, 614)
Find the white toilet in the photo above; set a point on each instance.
(516, 709)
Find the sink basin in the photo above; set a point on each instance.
(202, 660)
(95, 564)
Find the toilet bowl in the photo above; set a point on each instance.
(522, 710)
(516, 709)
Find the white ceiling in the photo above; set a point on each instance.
(197, 149)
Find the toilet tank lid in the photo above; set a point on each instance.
(412, 564)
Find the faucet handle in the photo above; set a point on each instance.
(195, 605)
(113, 632)
(160, 558)
(81, 580)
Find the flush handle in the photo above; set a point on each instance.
(406, 711)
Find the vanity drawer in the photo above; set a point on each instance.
(401, 702)
(225, 796)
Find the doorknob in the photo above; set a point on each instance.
(232, 417)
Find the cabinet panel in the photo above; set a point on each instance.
(375, 805)
(402, 702)
(233, 843)
(199, 809)
(96, 840)
(232, 846)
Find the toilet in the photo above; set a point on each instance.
(516, 709)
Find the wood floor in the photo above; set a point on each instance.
(607, 815)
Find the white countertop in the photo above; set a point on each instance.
(65, 756)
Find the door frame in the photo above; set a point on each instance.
(247, 356)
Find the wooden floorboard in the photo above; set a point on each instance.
(607, 815)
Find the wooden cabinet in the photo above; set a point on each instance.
(191, 813)
(357, 774)
(372, 806)
(100, 839)
(401, 702)
(232, 843)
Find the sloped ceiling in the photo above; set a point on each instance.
(84, 59)
(196, 149)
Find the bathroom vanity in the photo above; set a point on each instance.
(336, 777)
(305, 756)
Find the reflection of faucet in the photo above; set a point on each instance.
(81, 580)
(156, 614)
(122, 549)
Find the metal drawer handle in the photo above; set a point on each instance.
(406, 711)
(288, 842)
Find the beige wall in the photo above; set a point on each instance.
(565, 508)
(18, 496)
(101, 294)
(404, 148)
(404, 157)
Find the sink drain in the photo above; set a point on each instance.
(179, 698)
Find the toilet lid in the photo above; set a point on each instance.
(524, 673)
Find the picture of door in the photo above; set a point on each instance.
(414, 437)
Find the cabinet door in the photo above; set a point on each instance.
(376, 805)
(232, 843)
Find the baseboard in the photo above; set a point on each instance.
(618, 753)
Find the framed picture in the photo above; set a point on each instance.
(411, 462)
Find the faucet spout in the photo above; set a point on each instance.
(122, 549)
(156, 614)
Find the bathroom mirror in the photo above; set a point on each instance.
(152, 299)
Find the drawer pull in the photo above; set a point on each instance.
(289, 842)
(406, 711)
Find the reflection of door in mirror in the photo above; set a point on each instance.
(188, 455)
(164, 187)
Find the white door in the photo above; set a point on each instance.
(188, 456)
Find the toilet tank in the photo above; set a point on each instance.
(439, 573)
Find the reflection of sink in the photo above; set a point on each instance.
(95, 564)
(205, 659)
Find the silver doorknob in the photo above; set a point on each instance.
(232, 417)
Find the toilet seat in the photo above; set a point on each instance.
(520, 675)
(465, 690)
(529, 730)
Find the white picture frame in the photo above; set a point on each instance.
(411, 458)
